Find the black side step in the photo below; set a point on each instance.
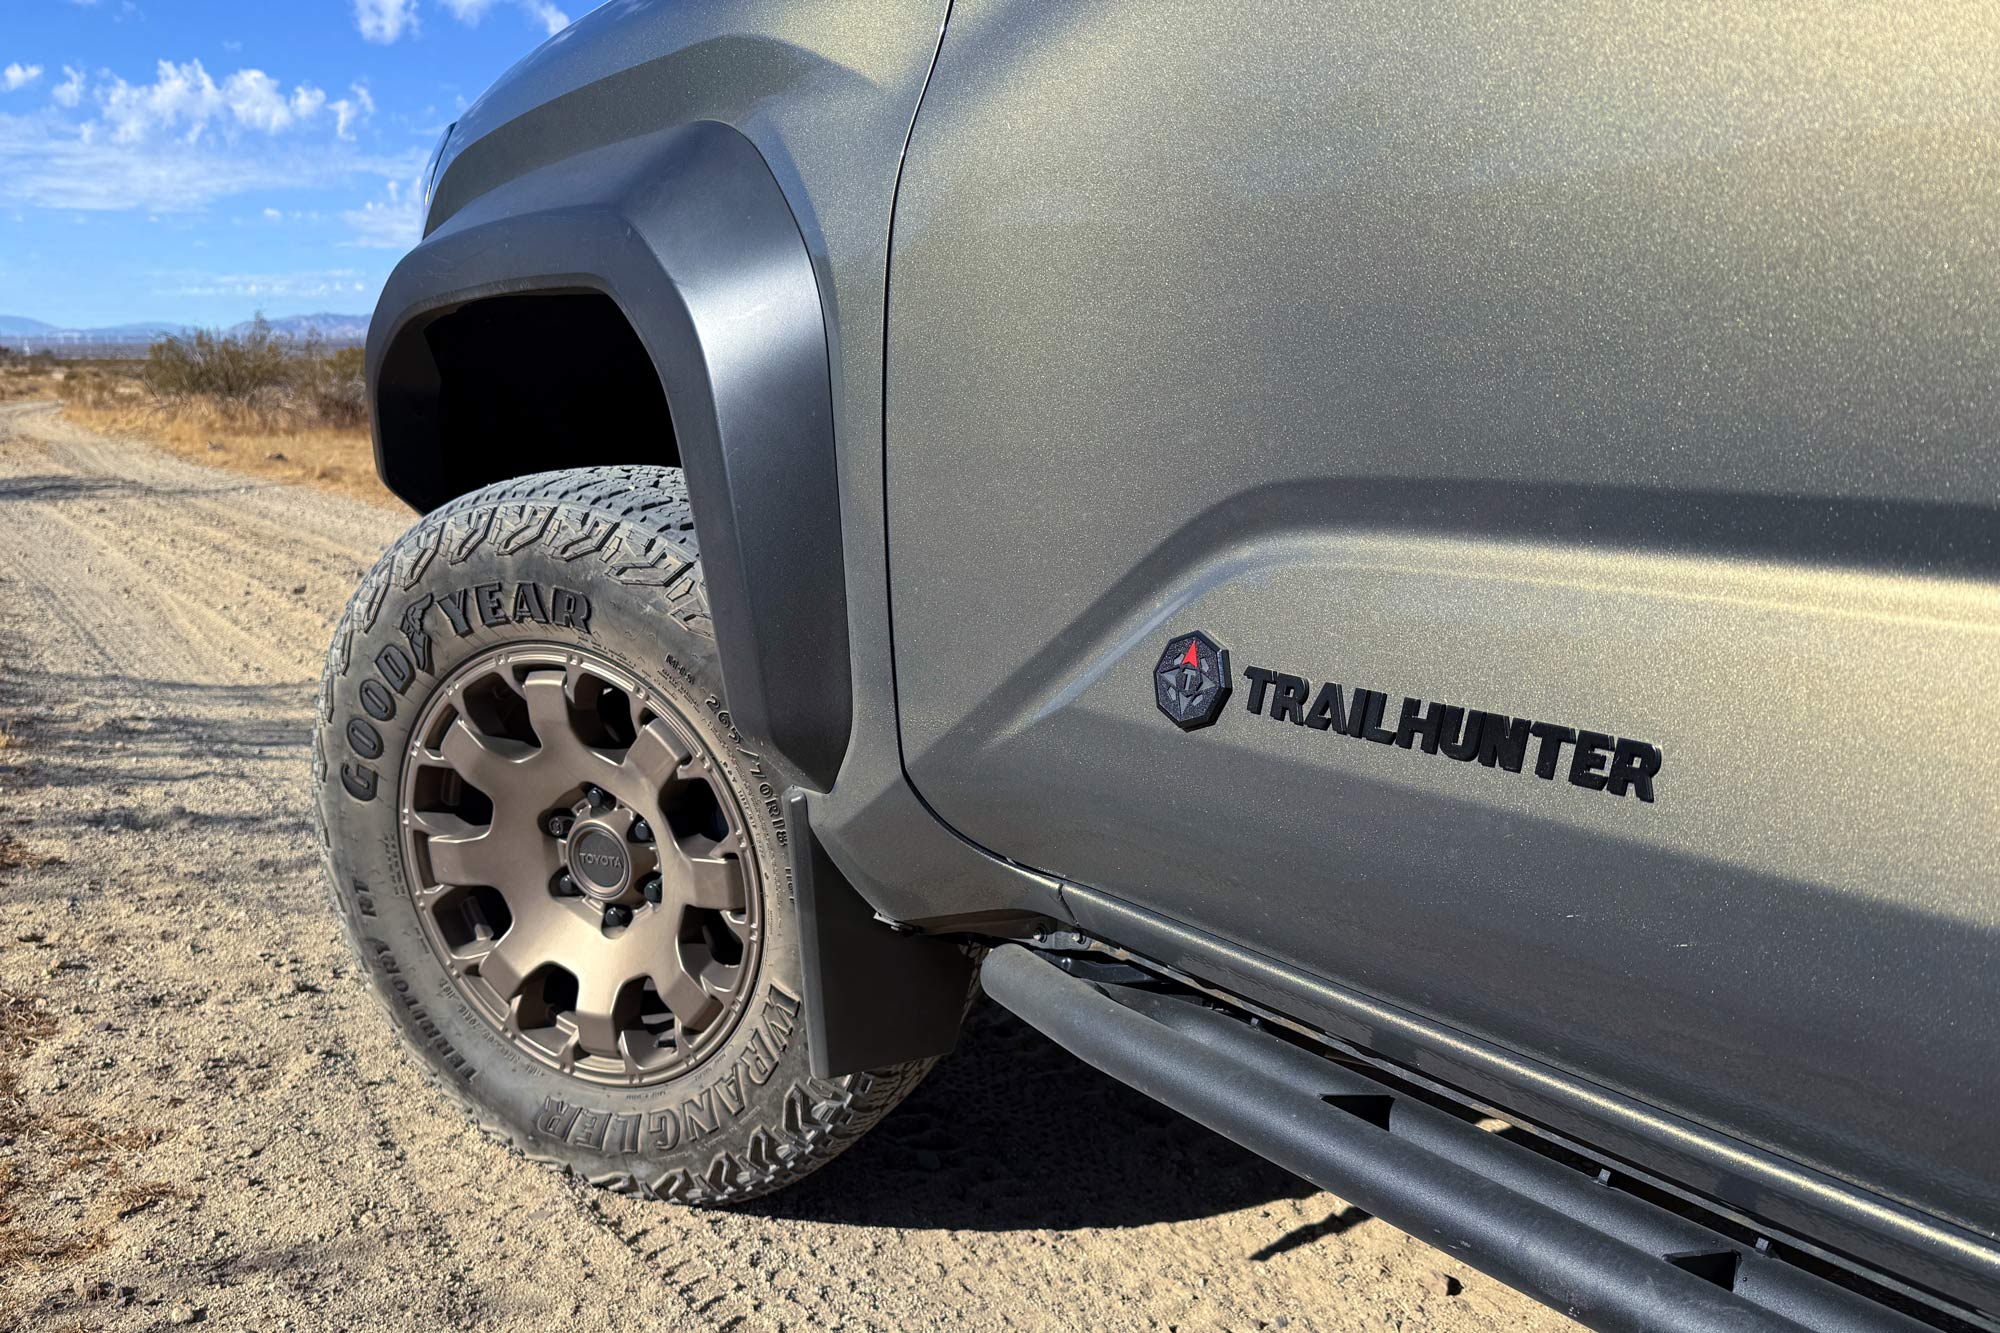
(1603, 1257)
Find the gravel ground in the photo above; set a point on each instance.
(204, 1118)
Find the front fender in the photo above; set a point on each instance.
(688, 232)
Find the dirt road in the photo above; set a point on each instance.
(204, 1118)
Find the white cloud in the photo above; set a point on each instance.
(385, 20)
(47, 163)
(178, 144)
(540, 11)
(258, 103)
(70, 91)
(181, 94)
(351, 111)
(393, 222)
(185, 100)
(19, 76)
(547, 15)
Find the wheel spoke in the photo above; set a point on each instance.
(634, 1045)
(490, 763)
(583, 688)
(604, 1009)
(656, 754)
(694, 1008)
(510, 856)
(714, 882)
(468, 860)
(443, 824)
(512, 960)
(547, 695)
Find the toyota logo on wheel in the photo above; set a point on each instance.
(1191, 683)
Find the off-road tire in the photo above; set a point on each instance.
(606, 559)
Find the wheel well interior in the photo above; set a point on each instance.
(511, 385)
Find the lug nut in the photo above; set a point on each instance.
(562, 886)
(558, 824)
(641, 831)
(595, 795)
(651, 888)
(617, 914)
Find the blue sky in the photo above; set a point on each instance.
(200, 160)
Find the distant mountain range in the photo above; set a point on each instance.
(32, 335)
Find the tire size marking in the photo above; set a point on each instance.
(767, 794)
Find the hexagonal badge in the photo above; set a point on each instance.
(1191, 683)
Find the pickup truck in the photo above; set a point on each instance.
(1419, 582)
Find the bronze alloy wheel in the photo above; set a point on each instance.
(580, 867)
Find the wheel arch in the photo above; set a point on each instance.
(679, 253)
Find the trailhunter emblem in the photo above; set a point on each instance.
(1191, 683)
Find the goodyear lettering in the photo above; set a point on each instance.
(377, 702)
(397, 667)
(454, 604)
(496, 605)
(528, 604)
(359, 779)
(367, 741)
(569, 608)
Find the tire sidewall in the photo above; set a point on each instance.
(455, 589)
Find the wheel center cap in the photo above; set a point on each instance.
(599, 862)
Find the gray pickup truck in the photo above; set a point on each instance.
(1419, 582)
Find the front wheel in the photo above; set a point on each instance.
(560, 864)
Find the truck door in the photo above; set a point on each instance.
(1577, 427)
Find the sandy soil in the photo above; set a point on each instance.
(205, 1119)
(342, 461)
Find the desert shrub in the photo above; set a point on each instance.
(335, 387)
(259, 381)
(220, 364)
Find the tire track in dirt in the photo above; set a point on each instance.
(160, 640)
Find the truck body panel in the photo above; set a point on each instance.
(1628, 370)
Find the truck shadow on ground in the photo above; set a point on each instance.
(1012, 1132)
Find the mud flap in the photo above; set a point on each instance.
(875, 996)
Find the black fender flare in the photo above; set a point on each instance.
(689, 233)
